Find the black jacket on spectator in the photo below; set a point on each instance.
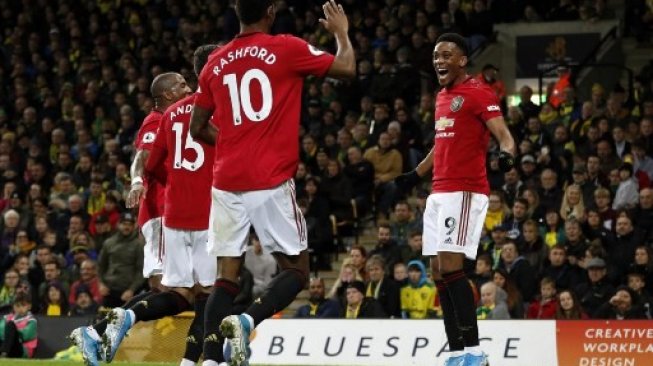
(608, 311)
(644, 223)
(390, 252)
(524, 276)
(621, 252)
(593, 295)
(565, 276)
(338, 190)
(361, 176)
(370, 309)
(388, 296)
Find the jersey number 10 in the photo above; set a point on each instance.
(191, 144)
(240, 96)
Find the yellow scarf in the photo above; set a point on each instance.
(375, 293)
(353, 313)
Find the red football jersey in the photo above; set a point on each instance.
(254, 85)
(461, 136)
(188, 164)
(152, 204)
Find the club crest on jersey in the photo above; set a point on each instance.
(457, 103)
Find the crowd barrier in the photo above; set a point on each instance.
(408, 342)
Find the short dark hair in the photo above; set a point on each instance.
(251, 11)
(456, 38)
(201, 56)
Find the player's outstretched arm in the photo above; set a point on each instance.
(137, 190)
(335, 21)
(200, 128)
(500, 131)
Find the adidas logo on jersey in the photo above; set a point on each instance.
(448, 241)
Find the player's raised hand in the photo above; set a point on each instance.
(335, 19)
(135, 194)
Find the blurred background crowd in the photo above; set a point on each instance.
(568, 234)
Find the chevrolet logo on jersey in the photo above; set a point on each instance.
(443, 122)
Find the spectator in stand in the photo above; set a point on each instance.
(643, 263)
(261, 265)
(532, 247)
(544, 307)
(413, 251)
(642, 163)
(497, 210)
(608, 215)
(513, 186)
(623, 305)
(361, 174)
(121, 263)
(18, 330)
(360, 307)
(552, 229)
(337, 188)
(89, 279)
(515, 301)
(489, 75)
(387, 164)
(637, 283)
(493, 303)
(519, 270)
(597, 291)
(348, 274)
(575, 242)
(535, 209)
(358, 257)
(572, 204)
(622, 249)
(627, 195)
(403, 223)
(568, 307)
(315, 208)
(514, 223)
(418, 296)
(8, 290)
(558, 269)
(55, 302)
(483, 271)
(318, 306)
(550, 193)
(386, 247)
(53, 273)
(382, 288)
(84, 304)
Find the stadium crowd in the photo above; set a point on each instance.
(568, 233)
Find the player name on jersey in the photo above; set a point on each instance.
(256, 52)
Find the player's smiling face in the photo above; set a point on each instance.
(449, 63)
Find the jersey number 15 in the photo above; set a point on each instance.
(240, 96)
(183, 163)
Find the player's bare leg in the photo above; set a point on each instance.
(458, 307)
(283, 289)
(218, 307)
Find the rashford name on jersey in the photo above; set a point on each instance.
(256, 52)
(461, 137)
